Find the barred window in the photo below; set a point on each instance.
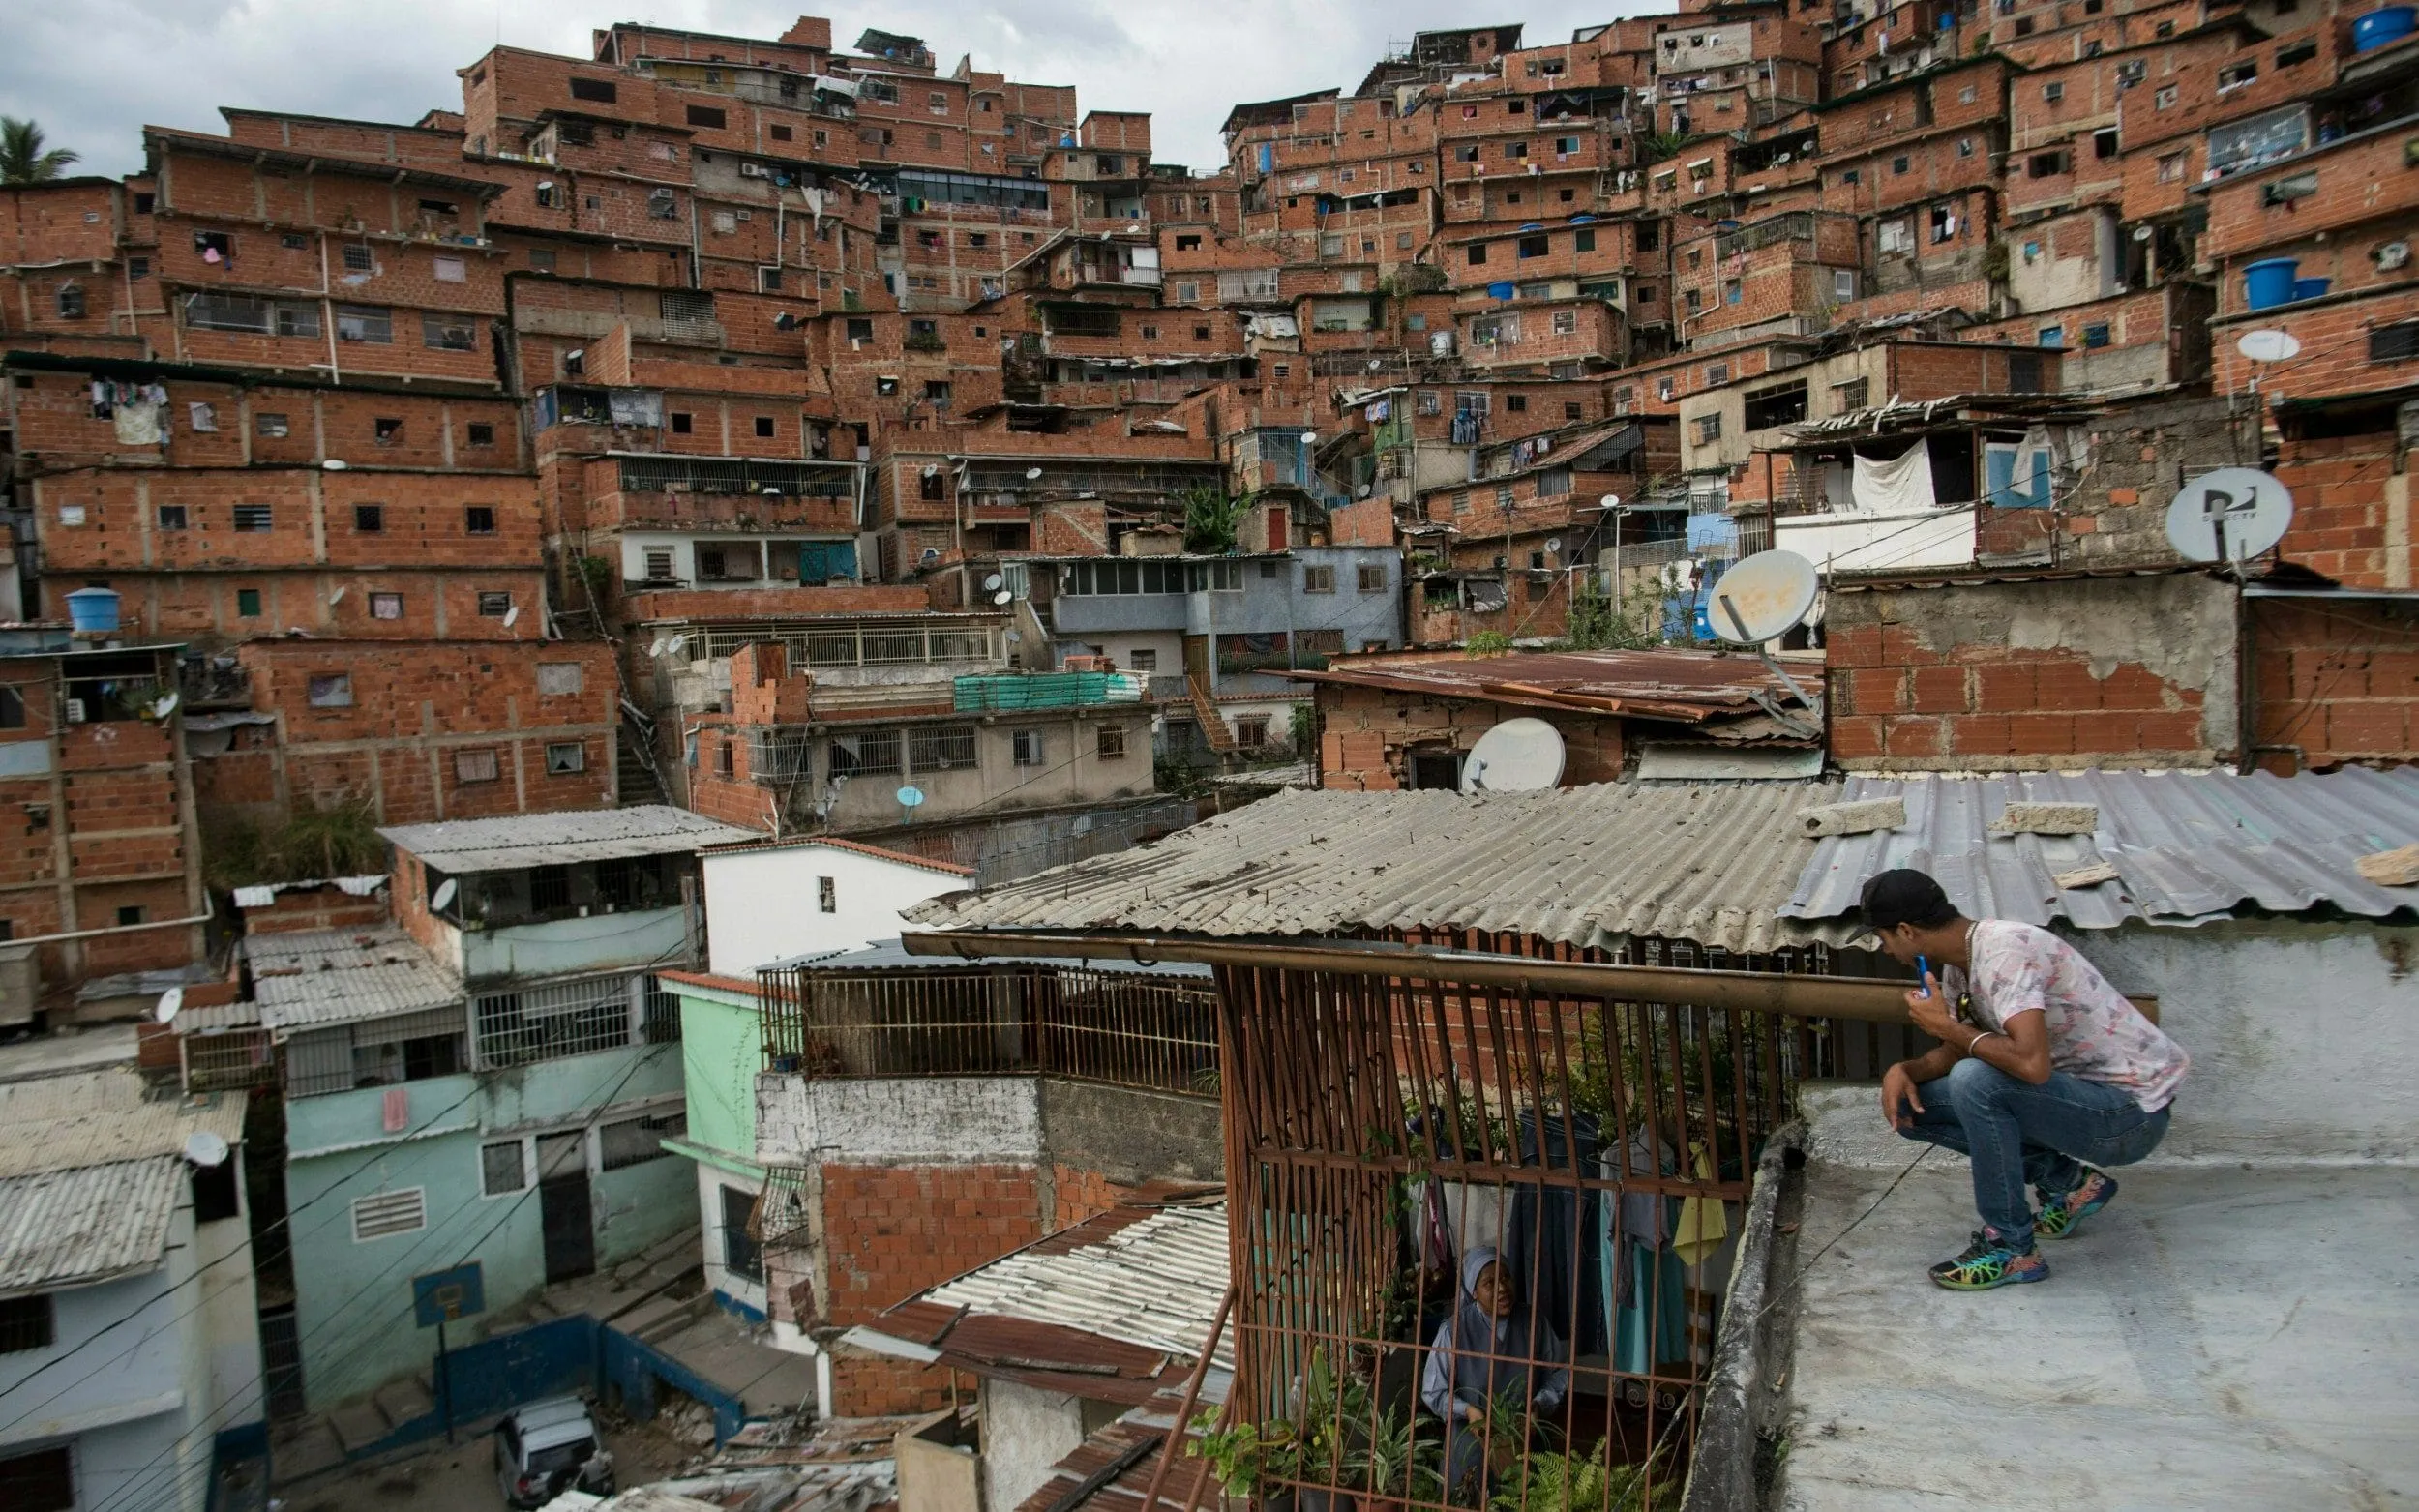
(25, 1323)
(502, 1169)
(632, 1142)
(365, 323)
(447, 333)
(943, 749)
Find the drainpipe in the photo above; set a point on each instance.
(203, 917)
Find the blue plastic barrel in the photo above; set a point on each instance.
(2378, 27)
(2270, 281)
(93, 609)
(2310, 289)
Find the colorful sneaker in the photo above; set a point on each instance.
(2060, 1214)
(1991, 1261)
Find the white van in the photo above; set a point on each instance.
(545, 1448)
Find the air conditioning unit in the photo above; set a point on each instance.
(754, 170)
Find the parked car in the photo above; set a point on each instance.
(545, 1448)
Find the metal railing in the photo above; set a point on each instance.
(552, 1020)
(1124, 1029)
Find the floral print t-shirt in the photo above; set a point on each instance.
(2094, 1032)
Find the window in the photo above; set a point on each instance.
(557, 679)
(172, 516)
(368, 519)
(253, 518)
(2171, 167)
(479, 520)
(1371, 577)
(385, 1214)
(681, 424)
(476, 766)
(1895, 236)
(763, 427)
(25, 1323)
(449, 270)
(43, 1481)
(131, 914)
(502, 1168)
(481, 433)
(331, 691)
(270, 425)
(942, 748)
(1478, 253)
(1567, 322)
(1716, 374)
(2163, 97)
(1709, 428)
(2046, 164)
(1318, 578)
(2234, 76)
(2053, 336)
(1782, 404)
(214, 247)
(2096, 335)
(1027, 744)
(1849, 397)
(710, 117)
(365, 323)
(1842, 284)
(11, 717)
(2296, 55)
(2051, 94)
(598, 89)
(386, 605)
(2394, 343)
(1943, 223)
(1109, 742)
(2284, 191)
(247, 602)
(566, 758)
(1251, 731)
(387, 430)
(448, 333)
(780, 133)
(495, 606)
(70, 302)
(1534, 246)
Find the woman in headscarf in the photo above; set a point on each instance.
(1491, 1350)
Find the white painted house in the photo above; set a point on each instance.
(768, 900)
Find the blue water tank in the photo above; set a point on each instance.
(94, 610)
(2270, 281)
(2310, 289)
(2392, 23)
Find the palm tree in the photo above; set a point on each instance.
(22, 160)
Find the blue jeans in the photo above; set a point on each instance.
(2015, 1132)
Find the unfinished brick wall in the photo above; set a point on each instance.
(1367, 736)
(893, 1231)
(1078, 1193)
(867, 1384)
(2050, 673)
(2334, 683)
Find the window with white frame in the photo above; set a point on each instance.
(503, 1169)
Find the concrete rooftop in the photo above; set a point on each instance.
(2220, 1336)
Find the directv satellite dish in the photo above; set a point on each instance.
(994, 583)
(443, 895)
(510, 614)
(1763, 597)
(1517, 756)
(1003, 597)
(205, 1148)
(1032, 473)
(910, 797)
(2230, 515)
(2268, 345)
(170, 1002)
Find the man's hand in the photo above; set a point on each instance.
(1930, 1010)
(1898, 1088)
(1471, 1415)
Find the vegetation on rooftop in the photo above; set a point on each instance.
(335, 839)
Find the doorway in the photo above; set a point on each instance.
(564, 1215)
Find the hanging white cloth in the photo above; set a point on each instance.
(1901, 484)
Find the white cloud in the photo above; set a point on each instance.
(94, 72)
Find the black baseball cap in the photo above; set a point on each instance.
(1904, 895)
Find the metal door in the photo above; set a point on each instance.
(563, 1211)
(280, 1362)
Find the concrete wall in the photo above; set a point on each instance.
(1130, 1136)
(745, 1293)
(1025, 1433)
(561, 947)
(801, 1121)
(764, 904)
(720, 1047)
(354, 1300)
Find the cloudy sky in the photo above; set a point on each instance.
(94, 72)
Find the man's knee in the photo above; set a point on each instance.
(1972, 1082)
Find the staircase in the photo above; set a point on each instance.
(1214, 725)
(633, 776)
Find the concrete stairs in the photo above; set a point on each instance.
(360, 1424)
(633, 778)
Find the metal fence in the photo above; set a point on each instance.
(552, 1020)
(1385, 1129)
(1122, 1027)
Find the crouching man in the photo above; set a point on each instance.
(2043, 1073)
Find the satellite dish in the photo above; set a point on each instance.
(1032, 473)
(676, 645)
(444, 894)
(930, 470)
(932, 553)
(512, 613)
(164, 705)
(1609, 501)
(1554, 543)
(1310, 438)
(170, 1002)
(1517, 756)
(204, 1149)
(656, 646)
(335, 464)
(2228, 514)
(994, 583)
(337, 597)
(909, 797)
(1003, 597)
(2142, 233)
(1763, 597)
(2268, 345)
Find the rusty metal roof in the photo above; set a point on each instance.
(1589, 867)
(98, 1117)
(1687, 686)
(89, 1225)
(2188, 847)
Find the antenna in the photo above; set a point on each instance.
(204, 1147)
(2230, 515)
(1517, 756)
(170, 1002)
(1757, 602)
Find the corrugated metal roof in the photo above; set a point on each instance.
(96, 1118)
(1156, 1283)
(1583, 866)
(524, 840)
(2187, 845)
(93, 1223)
(1688, 685)
(311, 977)
(890, 955)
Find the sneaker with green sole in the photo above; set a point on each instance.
(1992, 1260)
(2060, 1214)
